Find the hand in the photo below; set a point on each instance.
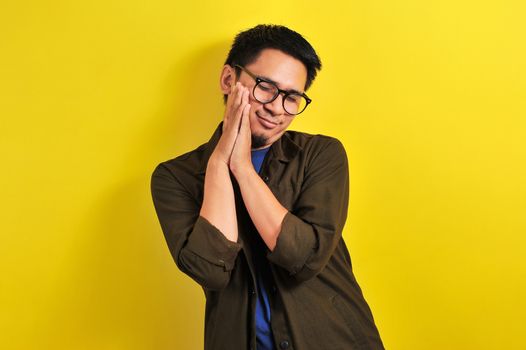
(241, 158)
(236, 106)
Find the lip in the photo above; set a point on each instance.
(266, 123)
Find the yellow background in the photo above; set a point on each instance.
(428, 98)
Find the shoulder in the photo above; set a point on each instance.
(188, 163)
(314, 145)
(305, 140)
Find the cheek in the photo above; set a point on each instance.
(254, 123)
(253, 103)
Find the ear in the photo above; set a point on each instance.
(227, 79)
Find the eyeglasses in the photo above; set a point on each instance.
(266, 91)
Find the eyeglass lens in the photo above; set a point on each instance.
(266, 92)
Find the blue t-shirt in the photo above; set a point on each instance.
(264, 337)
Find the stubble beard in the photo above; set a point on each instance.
(258, 141)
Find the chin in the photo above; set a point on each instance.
(258, 140)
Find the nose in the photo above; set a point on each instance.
(275, 107)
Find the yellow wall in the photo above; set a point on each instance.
(427, 96)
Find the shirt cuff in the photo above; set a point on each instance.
(207, 242)
(296, 242)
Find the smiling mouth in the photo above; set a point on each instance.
(266, 122)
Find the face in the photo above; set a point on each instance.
(268, 121)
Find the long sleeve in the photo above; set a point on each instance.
(311, 231)
(198, 248)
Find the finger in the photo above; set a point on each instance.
(245, 121)
(234, 90)
(235, 116)
(247, 94)
(239, 111)
(244, 124)
(239, 98)
(230, 103)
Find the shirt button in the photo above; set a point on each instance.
(265, 178)
(284, 344)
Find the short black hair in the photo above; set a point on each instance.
(248, 45)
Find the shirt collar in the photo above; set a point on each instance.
(284, 149)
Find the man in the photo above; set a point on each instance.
(256, 214)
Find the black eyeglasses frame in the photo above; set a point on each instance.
(278, 91)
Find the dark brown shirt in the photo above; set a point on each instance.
(316, 303)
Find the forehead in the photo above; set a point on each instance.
(288, 72)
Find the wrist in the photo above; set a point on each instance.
(215, 162)
(241, 172)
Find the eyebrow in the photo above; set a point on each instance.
(276, 83)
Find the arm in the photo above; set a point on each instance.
(219, 206)
(198, 247)
(264, 209)
(306, 237)
(203, 239)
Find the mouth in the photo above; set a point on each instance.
(266, 123)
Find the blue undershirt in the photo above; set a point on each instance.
(264, 337)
